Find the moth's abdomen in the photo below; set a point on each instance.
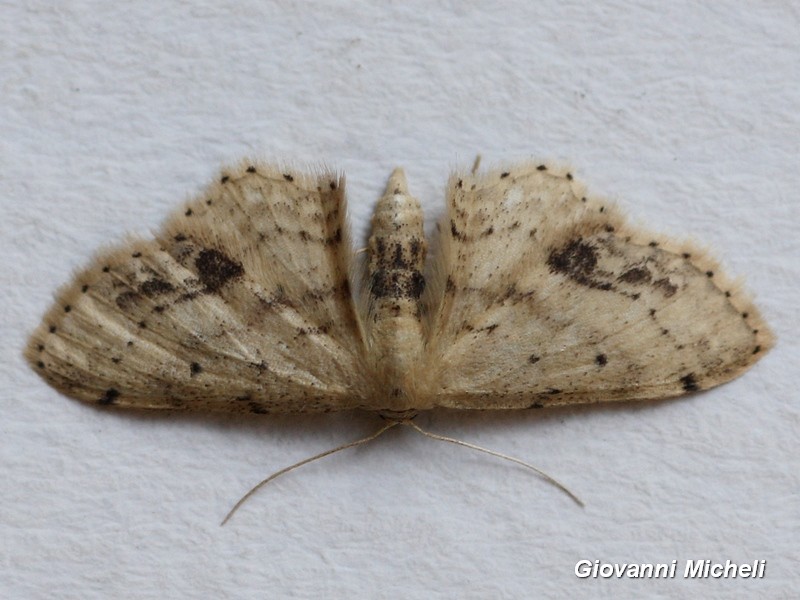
(397, 245)
(396, 283)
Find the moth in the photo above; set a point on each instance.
(251, 299)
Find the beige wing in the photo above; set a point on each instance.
(241, 303)
(542, 296)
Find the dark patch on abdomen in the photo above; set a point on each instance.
(399, 261)
(397, 284)
(415, 247)
(398, 255)
(215, 269)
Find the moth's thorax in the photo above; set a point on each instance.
(396, 258)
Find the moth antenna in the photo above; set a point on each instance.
(539, 472)
(277, 474)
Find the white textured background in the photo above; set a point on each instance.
(111, 113)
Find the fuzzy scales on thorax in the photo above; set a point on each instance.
(394, 324)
